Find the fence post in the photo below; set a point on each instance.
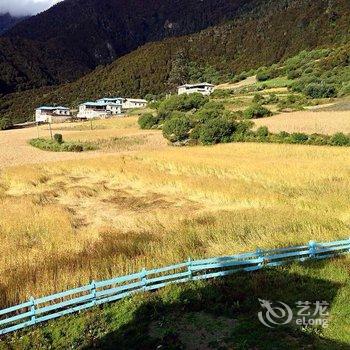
(32, 310)
(93, 291)
(144, 279)
(260, 254)
(312, 249)
(189, 264)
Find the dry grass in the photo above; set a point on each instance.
(246, 82)
(117, 135)
(329, 122)
(66, 223)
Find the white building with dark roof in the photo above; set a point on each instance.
(202, 88)
(52, 114)
(103, 108)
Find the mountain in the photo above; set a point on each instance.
(7, 21)
(264, 33)
(75, 36)
(261, 34)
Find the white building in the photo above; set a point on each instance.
(103, 108)
(48, 114)
(202, 88)
(118, 100)
(129, 103)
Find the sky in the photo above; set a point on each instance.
(25, 7)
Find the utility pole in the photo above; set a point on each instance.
(50, 130)
(37, 129)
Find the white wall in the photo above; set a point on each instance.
(129, 104)
(90, 113)
(206, 91)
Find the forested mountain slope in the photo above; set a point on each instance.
(75, 36)
(218, 53)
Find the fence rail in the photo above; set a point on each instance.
(39, 310)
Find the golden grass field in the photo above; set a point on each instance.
(320, 122)
(113, 135)
(66, 223)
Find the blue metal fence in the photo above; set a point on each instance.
(39, 310)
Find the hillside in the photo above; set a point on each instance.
(75, 36)
(7, 21)
(216, 54)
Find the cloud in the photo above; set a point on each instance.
(25, 7)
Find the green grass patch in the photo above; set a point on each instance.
(278, 82)
(54, 146)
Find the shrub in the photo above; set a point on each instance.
(163, 114)
(262, 132)
(283, 135)
(256, 111)
(240, 77)
(216, 130)
(318, 139)
(5, 123)
(214, 105)
(273, 98)
(292, 102)
(183, 102)
(72, 147)
(263, 75)
(258, 98)
(58, 138)
(340, 139)
(299, 137)
(244, 127)
(148, 121)
(320, 90)
(204, 114)
(294, 74)
(345, 90)
(177, 128)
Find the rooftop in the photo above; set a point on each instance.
(196, 85)
(110, 99)
(136, 100)
(52, 108)
(100, 103)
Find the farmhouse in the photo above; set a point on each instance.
(49, 114)
(103, 108)
(130, 103)
(202, 88)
